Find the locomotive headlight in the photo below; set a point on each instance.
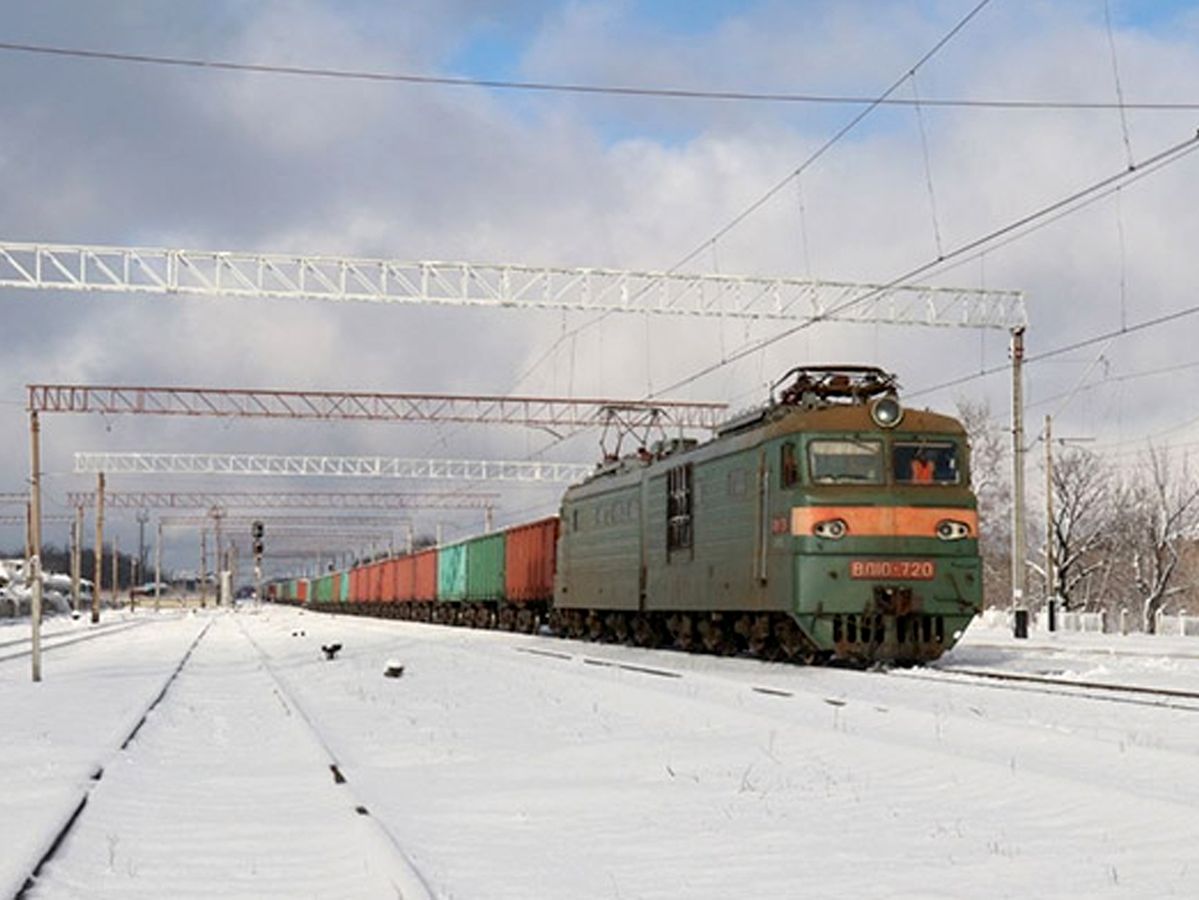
(886, 412)
(952, 530)
(833, 529)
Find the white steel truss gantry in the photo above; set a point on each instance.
(175, 272)
(282, 500)
(121, 463)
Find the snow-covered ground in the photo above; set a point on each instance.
(501, 765)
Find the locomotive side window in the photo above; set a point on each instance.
(678, 508)
(926, 463)
(788, 465)
(845, 461)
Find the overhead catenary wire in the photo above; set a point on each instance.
(1076, 199)
(794, 175)
(612, 90)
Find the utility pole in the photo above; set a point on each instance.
(216, 512)
(487, 519)
(76, 557)
(35, 534)
(143, 516)
(203, 567)
(158, 568)
(1019, 575)
(116, 571)
(98, 575)
(1050, 548)
(411, 538)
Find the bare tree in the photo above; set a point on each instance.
(1083, 495)
(1161, 510)
(990, 477)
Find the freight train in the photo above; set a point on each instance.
(830, 524)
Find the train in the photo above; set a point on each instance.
(829, 525)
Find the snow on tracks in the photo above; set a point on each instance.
(224, 792)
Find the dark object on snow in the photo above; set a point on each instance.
(393, 670)
(297, 634)
(330, 650)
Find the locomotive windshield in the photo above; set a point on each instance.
(925, 463)
(846, 461)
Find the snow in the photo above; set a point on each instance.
(503, 765)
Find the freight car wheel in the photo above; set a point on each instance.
(526, 622)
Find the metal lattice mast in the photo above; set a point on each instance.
(120, 463)
(176, 272)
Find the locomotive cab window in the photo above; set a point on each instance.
(845, 461)
(926, 463)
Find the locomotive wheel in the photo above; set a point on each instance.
(717, 635)
(646, 632)
(684, 631)
(595, 627)
(618, 628)
(790, 639)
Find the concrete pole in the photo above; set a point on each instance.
(487, 519)
(158, 568)
(411, 538)
(219, 552)
(1050, 548)
(35, 533)
(203, 567)
(1019, 543)
(116, 571)
(98, 575)
(76, 557)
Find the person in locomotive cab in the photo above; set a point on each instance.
(923, 467)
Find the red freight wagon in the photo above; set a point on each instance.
(356, 585)
(390, 589)
(405, 578)
(302, 590)
(530, 552)
(425, 581)
(374, 580)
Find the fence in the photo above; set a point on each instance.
(1181, 624)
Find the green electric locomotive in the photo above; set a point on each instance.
(831, 523)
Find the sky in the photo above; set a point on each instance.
(113, 153)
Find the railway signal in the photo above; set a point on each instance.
(257, 532)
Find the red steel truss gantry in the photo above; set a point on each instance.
(374, 406)
(280, 500)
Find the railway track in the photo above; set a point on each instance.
(406, 878)
(1133, 694)
(228, 757)
(21, 647)
(55, 841)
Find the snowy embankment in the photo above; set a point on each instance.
(497, 770)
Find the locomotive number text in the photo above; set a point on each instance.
(899, 569)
